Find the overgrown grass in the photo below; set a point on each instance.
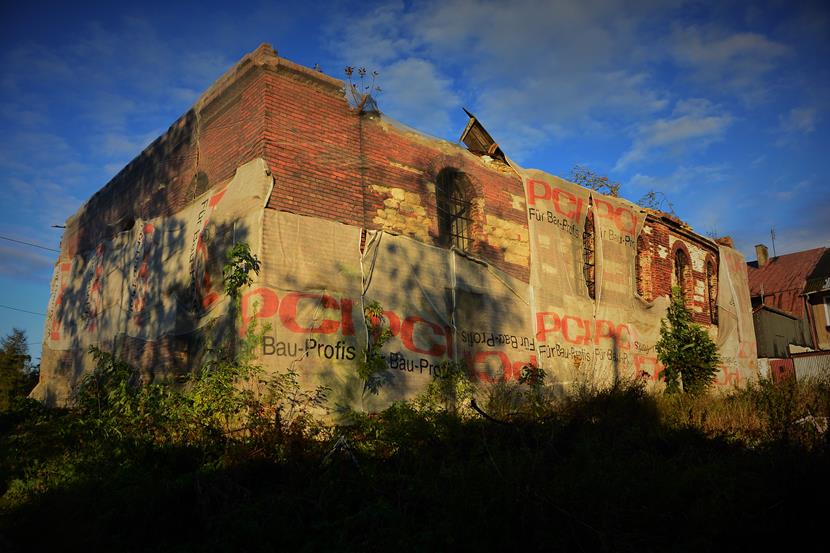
(135, 468)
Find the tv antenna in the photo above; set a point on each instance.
(772, 235)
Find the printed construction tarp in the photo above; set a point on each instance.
(307, 301)
(163, 276)
(437, 303)
(736, 331)
(580, 338)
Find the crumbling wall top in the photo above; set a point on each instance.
(265, 56)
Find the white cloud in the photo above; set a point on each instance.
(725, 60)
(678, 180)
(20, 262)
(798, 121)
(373, 39)
(415, 88)
(533, 71)
(126, 145)
(694, 123)
(787, 190)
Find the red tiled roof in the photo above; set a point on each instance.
(783, 279)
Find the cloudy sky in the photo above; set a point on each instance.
(722, 107)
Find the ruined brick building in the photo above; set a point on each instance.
(471, 256)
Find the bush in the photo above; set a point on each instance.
(450, 390)
(372, 369)
(689, 355)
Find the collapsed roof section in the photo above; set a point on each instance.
(479, 141)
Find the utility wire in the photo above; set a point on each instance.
(29, 244)
(22, 310)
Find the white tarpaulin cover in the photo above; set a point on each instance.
(163, 278)
(580, 338)
(612, 335)
(736, 331)
(437, 303)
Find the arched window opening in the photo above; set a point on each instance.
(641, 266)
(589, 253)
(712, 291)
(681, 264)
(455, 209)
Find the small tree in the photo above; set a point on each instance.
(236, 271)
(654, 199)
(689, 355)
(584, 176)
(373, 368)
(361, 92)
(450, 390)
(220, 393)
(17, 376)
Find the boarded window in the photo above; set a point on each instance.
(454, 209)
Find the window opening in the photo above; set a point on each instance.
(638, 267)
(589, 252)
(454, 210)
(712, 289)
(680, 264)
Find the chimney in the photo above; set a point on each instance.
(762, 253)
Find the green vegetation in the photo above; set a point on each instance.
(17, 375)
(237, 271)
(372, 369)
(235, 459)
(689, 355)
(137, 467)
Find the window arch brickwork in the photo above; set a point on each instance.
(682, 275)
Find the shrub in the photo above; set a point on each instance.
(689, 355)
(450, 389)
(372, 369)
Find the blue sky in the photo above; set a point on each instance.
(723, 107)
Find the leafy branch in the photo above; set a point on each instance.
(236, 271)
(372, 369)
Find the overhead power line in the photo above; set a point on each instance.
(22, 310)
(29, 244)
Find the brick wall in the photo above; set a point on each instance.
(358, 169)
(330, 162)
(200, 150)
(656, 276)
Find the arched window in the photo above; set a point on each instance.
(712, 291)
(589, 253)
(642, 267)
(681, 266)
(454, 209)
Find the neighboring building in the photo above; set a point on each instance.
(790, 295)
(471, 256)
(776, 331)
(817, 295)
